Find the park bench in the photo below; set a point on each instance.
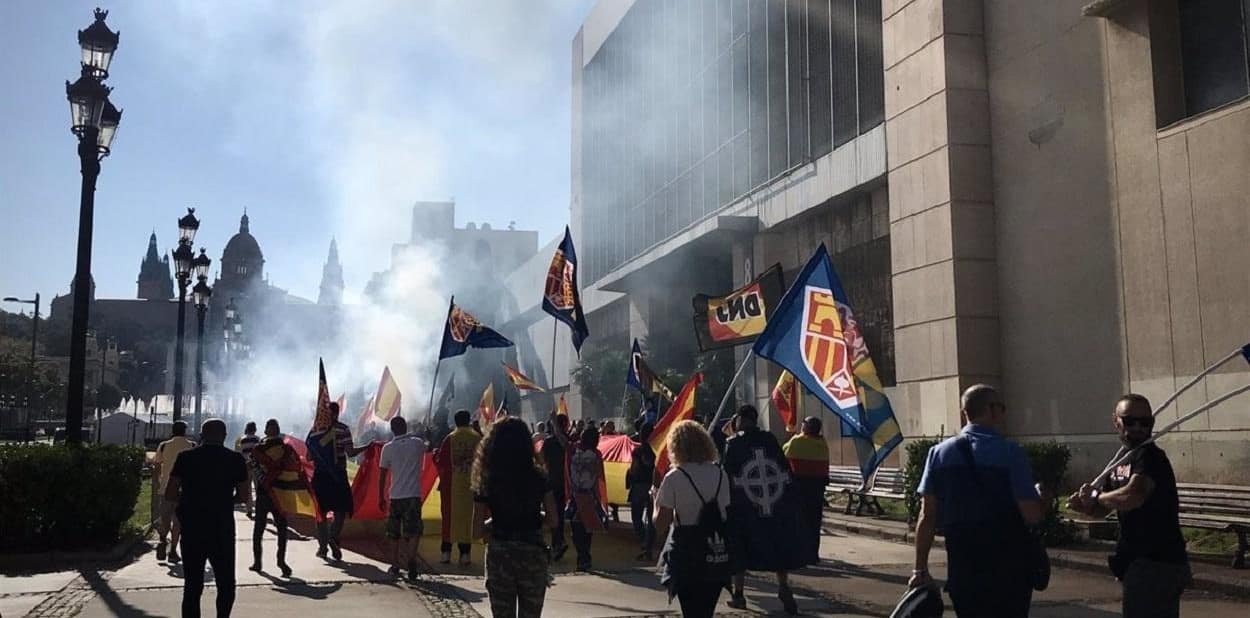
(887, 484)
(1224, 508)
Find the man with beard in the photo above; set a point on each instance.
(1150, 559)
(763, 507)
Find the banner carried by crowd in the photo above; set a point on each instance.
(739, 316)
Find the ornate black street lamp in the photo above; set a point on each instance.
(227, 335)
(94, 120)
(201, 293)
(183, 262)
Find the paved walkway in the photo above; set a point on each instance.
(860, 576)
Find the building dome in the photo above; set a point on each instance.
(242, 246)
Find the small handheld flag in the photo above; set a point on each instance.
(463, 331)
(561, 297)
(365, 418)
(388, 397)
(785, 398)
(682, 409)
(486, 405)
(642, 378)
(321, 421)
(520, 380)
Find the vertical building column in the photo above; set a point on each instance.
(941, 212)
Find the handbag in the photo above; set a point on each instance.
(1038, 560)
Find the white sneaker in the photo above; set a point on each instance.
(465, 560)
(446, 558)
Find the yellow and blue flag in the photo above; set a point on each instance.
(463, 331)
(814, 335)
(642, 378)
(561, 298)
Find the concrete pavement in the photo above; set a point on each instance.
(860, 576)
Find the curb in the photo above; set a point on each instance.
(1231, 586)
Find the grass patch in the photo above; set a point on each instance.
(895, 510)
(1202, 541)
(142, 516)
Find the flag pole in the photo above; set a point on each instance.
(555, 325)
(725, 399)
(1173, 425)
(1239, 351)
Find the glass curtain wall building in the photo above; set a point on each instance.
(690, 105)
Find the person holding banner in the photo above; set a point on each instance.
(1150, 559)
(329, 450)
(454, 459)
(273, 459)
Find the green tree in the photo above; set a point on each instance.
(601, 378)
(108, 397)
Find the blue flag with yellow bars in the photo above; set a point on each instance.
(813, 334)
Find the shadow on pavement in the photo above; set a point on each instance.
(300, 588)
(106, 594)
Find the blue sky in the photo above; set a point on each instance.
(321, 118)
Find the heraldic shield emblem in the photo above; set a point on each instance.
(461, 324)
(825, 352)
(559, 289)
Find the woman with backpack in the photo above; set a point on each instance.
(512, 504)
(696, 562)
(585, 509)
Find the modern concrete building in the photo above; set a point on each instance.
(1047, 196)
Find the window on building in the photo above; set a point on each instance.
(1200, 53)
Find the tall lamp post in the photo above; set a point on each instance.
(183, 258)
(94, 120)
(227, 335)
(201, 293)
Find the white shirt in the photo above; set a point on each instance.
(403, 456)
(167, 453)
(677, 493)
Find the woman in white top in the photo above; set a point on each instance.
(694, 480)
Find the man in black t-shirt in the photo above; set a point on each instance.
(555, 458)
(638, 483)
(1150, 559)
(207, 481)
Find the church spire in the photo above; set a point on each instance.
(155, 281)
(331, 278)
(243, 223)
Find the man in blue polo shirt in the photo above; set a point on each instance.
(977, 488)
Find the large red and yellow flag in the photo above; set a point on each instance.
(486, 406)
(388, 397)
(786, 399)
(520, 380)
(363, 419)
(321, 421)
(682, 409)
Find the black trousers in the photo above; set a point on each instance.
(698, 600)
(264, 507)
(557, 535)
(581, 541)
(640, 512)
(211, 544)
(811, 507)
(1000, 599)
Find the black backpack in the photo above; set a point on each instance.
(704, 548)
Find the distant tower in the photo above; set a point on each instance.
(155, 282)
(331, 279)
(242, 261)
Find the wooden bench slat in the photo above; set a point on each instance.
(1234, 521)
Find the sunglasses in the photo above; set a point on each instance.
(1137, 421)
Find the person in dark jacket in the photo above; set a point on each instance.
(763, 507)
(638, 482)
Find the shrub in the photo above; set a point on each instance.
(66, 497)
(917, 455)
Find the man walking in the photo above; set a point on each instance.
(401, 462)
(329, 450)
(638, 482)
(808, 455)
(244, 446)
(763, 507)
(555, 452)
(207, 481)
(276, 468)
(454, 459)
(1150, 559)
(977, 488)
(163, 464)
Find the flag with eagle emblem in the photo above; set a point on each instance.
(463, 331)
(561, 298)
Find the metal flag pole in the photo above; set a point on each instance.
(725, 399)
(1239, 351)
(1173, 425)
(429, 412)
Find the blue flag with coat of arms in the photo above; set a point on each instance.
(463, 331)
(813, 334)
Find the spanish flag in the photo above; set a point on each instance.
(520, 380)
(562, 406)
(486, 406)
(387, 400)
(786, 399)
(365, 418)
(682, 409)
(285, 478)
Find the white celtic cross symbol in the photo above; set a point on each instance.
(763, 481)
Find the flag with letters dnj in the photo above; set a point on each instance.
(814, 335)
(561, 298)
(463, 331)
